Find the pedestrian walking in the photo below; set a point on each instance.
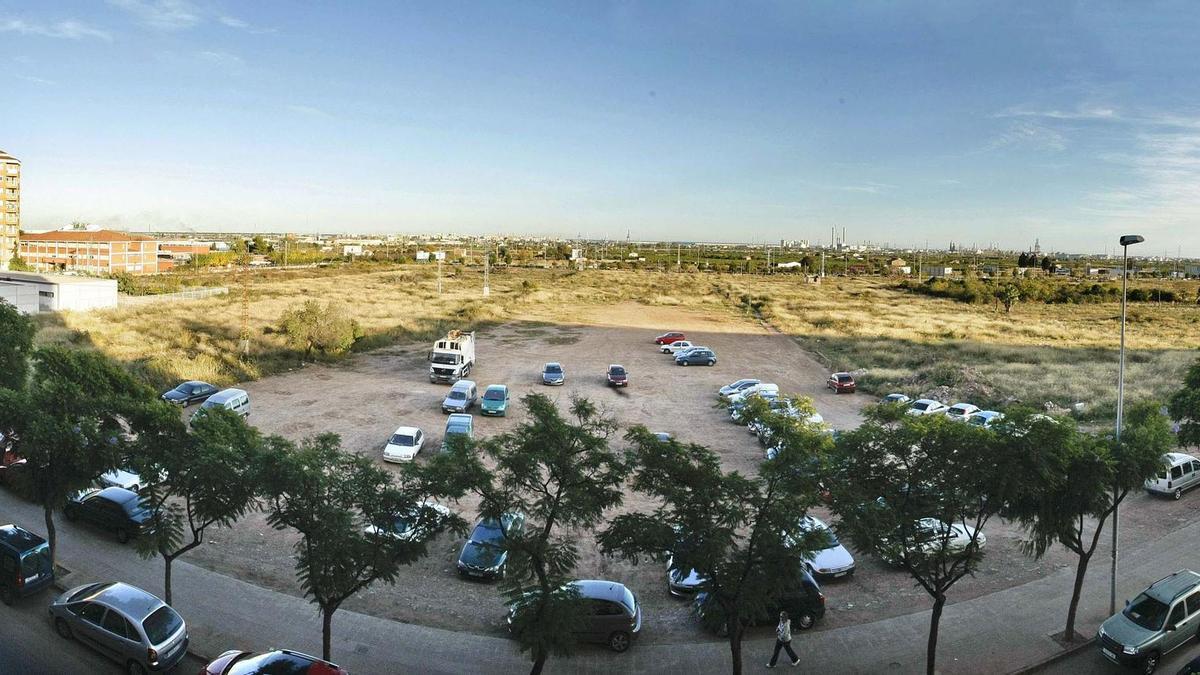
(783, 640)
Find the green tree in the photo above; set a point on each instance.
(325, 329)
(560, 473)
(205, 478)
(1185, 407)
(332, 499)
(740, 534)
(16, 345)
(259, 245)
(1009, 294)
(900, 486)
(17, 264)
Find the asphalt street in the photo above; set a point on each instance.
(1090, 660)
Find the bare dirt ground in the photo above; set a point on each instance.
(366, 397)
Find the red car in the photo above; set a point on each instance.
(841, 382)
(669, 338)
(278, 661)
(618, 376)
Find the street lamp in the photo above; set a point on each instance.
(1126, 241)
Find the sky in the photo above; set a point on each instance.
(979, 123)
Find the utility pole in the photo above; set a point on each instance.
(822, 264)
(439, 275)
(487, 290)
(678, 259)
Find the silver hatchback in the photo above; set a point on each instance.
(124, 623)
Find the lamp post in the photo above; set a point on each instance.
(1126, 241)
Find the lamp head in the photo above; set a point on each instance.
(1130, 239)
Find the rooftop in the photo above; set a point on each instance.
(61, 279)
(85, 235)
(5, 157)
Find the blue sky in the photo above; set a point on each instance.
(1072, 122)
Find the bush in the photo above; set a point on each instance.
(325, 329)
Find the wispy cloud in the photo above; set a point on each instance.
(241, 24)
(309, 111)
(162, 14)
(1028, 133)
(1082, 112)
(36, 80)
(221, 59)
(68, 30)
(870, 187)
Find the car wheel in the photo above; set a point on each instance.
(1150, 664)
(63, 630)
(6, 595)
(805, 621)
(618, 641)
(683, 363)
(135, 668)
(1177, 494)
(712, 362)
(123, 535)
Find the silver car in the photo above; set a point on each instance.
(124, 623)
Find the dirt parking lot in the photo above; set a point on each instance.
(366, 397)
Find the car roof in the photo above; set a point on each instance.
(117, 494)
(463, 384)
(195, 382)
(1173, 458)
(225, 395)
(598, 589)
(839, 374)
(615, 365)
(1166, 590)
(411, 431)
(927, 400)
(459, 417)
(987, 414)
(965, 405)
(130, 600)
(496, 387)
(19, 538)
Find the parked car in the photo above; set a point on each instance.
(736, 387)
(663, 436)
(926, 406)
(282, 661)
(404, 445)
(192, 391)
(1180, 472)
(617, 376)
(985, 418)
(484, 556)
(841, 383)
(458, 425)
(668, 338)
(962, 412)
(805, 606)
(122, 478)
(122, 622)
(461, 397)
(895, 398)
(737, 409)
(613, 616)
(494, 401)
(236, 400)
(416, 525)
(116, 509)
(927, 539)
(24, 563)
(676, 347)
(696, 357)
(1156, 622)
(10, 463)
(765, 387)
(552, 374)
(832, 560)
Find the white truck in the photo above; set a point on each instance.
(452, 357)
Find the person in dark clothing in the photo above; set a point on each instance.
(783, 640)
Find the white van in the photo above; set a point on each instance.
(1180, 472)
(236, 400)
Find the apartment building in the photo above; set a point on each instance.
(10, 206)
(90, 251)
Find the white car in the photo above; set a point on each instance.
(415, 525)
(122, 478)
(985, 418)
(404, 445)
(676, 347)
(926, 406)
(768, 388)
(832, 561)
(736, 387)
(961, 412)
(737, 407)
(895, 398)
(928, 537)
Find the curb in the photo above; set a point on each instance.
(1064, 654)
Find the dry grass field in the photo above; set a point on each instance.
(897, 340)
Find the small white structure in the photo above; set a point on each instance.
(352, 249)
(422, 256)
(58, 292)
(941, 271)
(439, 255)
(24, 298)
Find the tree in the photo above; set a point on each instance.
(259, 245)
(1185, 407)
(16, 345)
(18, 264)
(740, 534)
(560, 473)
(1023, 260)
(77, 418)
(332, 499)
(1009, 294)
(323, 328)
(207, 477)
(894, 473)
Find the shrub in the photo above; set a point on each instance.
(325, 329)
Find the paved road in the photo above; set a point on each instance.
(1090, 660)
(31, 647)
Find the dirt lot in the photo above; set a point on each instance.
(365, 398)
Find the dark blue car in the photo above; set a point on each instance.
(696, 357)
(24, 563)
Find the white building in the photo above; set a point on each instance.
(941, 271)
(352, 249)
(56, 292)
(21, 296)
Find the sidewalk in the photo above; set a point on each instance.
(998, 633)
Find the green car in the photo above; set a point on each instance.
(495, 400)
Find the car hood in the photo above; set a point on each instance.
(482, 555)
(174, 396)
(454, 403)
(488, 404)
(401, 450)
(690, 580)
(831, 558)
(1124, 631)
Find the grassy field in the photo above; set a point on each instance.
(901, 341)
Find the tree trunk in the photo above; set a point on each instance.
(539, 662)
(48, 512)
(939, 601)
(1080, 572)
(167, 579)
(326, 631)
(735, 644)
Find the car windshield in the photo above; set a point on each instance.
(493, 395)
(920, 406)
(403, 439)
(831, 540)
(979, 420)
(457, 395)
(1146, 612)
(36, 562)
(844, 378)
(553, 369)
(135, 508)
(445, 359)
(280, 663)
(161, 625)
(488, 532)
(616, 372)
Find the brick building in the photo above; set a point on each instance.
(10, 206)
(90, 251)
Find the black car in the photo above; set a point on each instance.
(116, 509)
(805, 606)
(190, 392)
(24, 563)
(484, 555)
